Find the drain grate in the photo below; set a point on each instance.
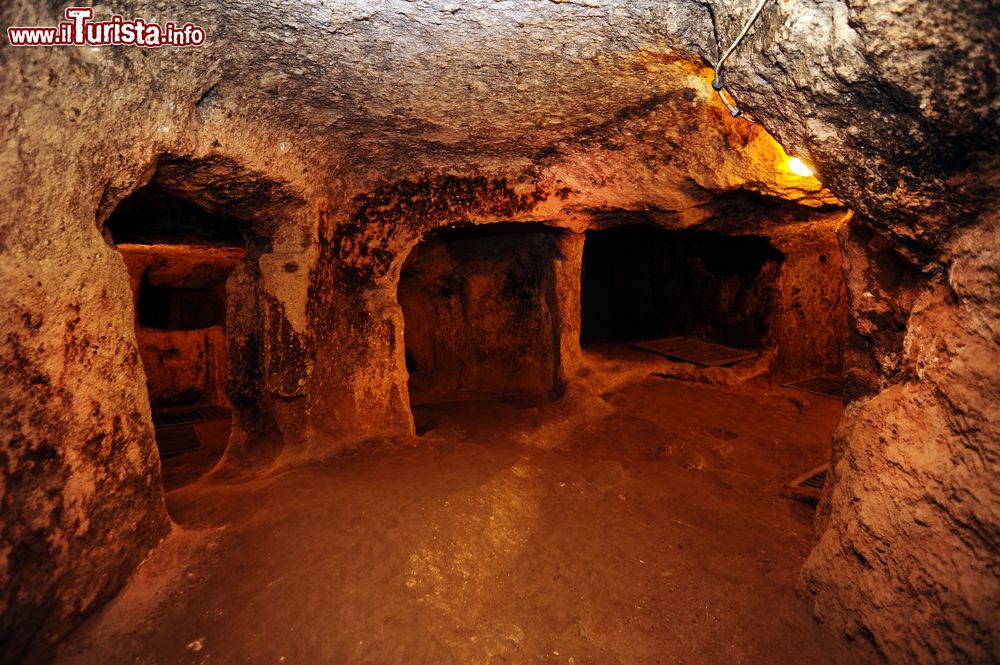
(198, 414)
(699, 352)
(176, 440)
(820, 385)
(810, 484)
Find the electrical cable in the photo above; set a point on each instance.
(718, 82)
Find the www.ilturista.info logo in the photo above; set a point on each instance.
(79, 30)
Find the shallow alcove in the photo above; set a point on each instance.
(479, 313)
(645, 282)
(179, 258)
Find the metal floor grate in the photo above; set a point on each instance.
(176, 440)
(197, 414)
(820, 385)
(810, 484)
(816, 481)
(699, 352)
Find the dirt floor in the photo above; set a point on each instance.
(655, 533)
(186, 468)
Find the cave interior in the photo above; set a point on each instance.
(422, 332)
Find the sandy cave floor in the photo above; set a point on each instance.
(657, 535)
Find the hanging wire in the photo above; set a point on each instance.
(719, 82)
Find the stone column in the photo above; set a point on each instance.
(565, 306)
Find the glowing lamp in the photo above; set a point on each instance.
(798, 167)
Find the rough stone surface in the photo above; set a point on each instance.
(184, 367)
(336, 135)
(914, 463)
(895, 105)
(893, 101)
(479, 314)
(809, 323)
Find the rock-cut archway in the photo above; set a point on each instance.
(194, 240)
(484, 313)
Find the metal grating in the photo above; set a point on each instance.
(810, 484)
(176, 440)
(816, 481)
(197, 414)
(699, 352)
(820, 385)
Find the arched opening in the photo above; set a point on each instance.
(644, 282)
(761, 278)
(179, 258)
(480, 320)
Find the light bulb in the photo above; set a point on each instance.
(798, 167)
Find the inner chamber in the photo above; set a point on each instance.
(643, 282)
(179, 258)
(479, 313)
